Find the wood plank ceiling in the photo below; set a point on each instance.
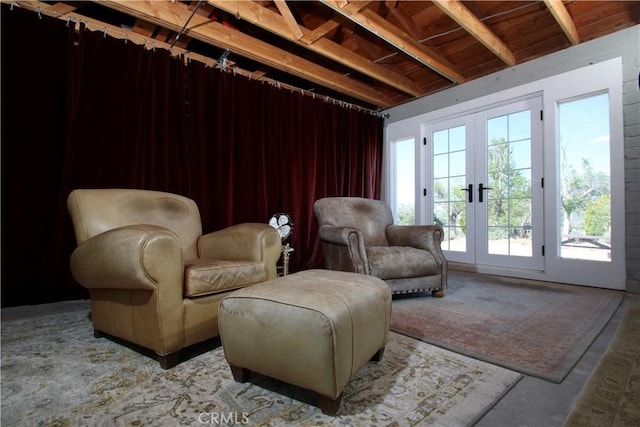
(374, 54)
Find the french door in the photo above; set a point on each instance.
(487, 187)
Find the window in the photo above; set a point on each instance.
(585, 178)
(403, 187)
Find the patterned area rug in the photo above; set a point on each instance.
(611, 397)
(55, 373)
(536, 328)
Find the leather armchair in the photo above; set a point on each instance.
(358, 235)
(154, 279)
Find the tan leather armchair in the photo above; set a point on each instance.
(154, 279)
(358, 235)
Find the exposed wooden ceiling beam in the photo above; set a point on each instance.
(267, 19)
(354, 6)
(323, 30)
(559, 12)
(174, 15)
(289, 19)
(63, 8)
(397, 38)
(474, 26)
(405, 20)
(143, 27)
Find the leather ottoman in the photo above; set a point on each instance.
(314, 329)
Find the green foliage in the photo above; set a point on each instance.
(406, 215)
(580, 189)
(450, 206)
(597, 216)
(509, 200)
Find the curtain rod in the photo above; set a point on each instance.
(183, 54)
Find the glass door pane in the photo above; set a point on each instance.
(449, 181)
(585, 179)
(509, 195)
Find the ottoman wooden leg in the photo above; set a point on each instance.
(168, 361)
(329, 406)
(241, 375)
(438, 294)
(378, 356)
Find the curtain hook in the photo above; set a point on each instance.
(13, 3)
(39, 14)
(104, 34)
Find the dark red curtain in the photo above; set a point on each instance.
(34, 73)
(132, 117)
(272, 150)
(125, 117)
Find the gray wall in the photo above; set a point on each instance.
(625, 44)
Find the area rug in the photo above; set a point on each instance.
(536, 328)
(55, 373)
(611, 396)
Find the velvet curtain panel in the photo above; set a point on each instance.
(120, 115)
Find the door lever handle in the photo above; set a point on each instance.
(481, 188)
(470, 192)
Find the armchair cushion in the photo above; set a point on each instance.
(210, 276)
(395, 262)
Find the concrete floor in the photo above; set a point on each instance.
(533, 402)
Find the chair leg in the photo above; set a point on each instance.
(378, 356)
(168, 361)
(240, 375)
(437, 293)
(329, 406)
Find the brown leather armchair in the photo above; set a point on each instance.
(358, 235)
(154, 279)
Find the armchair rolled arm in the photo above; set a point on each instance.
(342, 243)
(247, 241)
(340, 235)
(130, 257)
(427, 237)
